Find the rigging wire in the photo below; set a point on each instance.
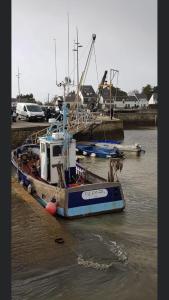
(96, 65)
(117, 84)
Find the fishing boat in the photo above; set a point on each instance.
(92, 150)
(49, 171)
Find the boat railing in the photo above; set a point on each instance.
(80, 121)
(89, 176)
(76, 122)
(80, 170)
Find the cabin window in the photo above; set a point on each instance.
(42, 148)
(57, 150)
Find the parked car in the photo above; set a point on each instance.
(29, 111)
(50, 112)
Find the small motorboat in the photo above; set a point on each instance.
(107, 141)
(93, 151)
(137, 148)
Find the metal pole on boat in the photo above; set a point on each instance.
(77, 57)
(68, 57)
(77, 69)
(55, 62)
(110, 95)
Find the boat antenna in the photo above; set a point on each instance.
(74, 62)
(55, 62)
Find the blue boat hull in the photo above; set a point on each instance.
(82, 200)
(76, 206)
(98, 151)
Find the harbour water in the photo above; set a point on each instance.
(110, 256)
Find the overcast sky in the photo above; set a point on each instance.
(126, 39)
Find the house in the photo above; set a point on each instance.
(87, 96)
(152, 103)
(119, 102)
(131, 102)
(142, 100)
(70, 99)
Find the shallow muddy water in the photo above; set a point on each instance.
(111, 256)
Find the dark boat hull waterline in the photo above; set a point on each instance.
(94, 196)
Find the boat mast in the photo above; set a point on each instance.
(55, 62)
(68, 57)
(77, 57)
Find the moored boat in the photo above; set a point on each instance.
(137, 148)
(50, 172)
(92, 150)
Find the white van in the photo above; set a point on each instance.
(29, 111)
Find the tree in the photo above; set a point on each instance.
(27, 98)
(118, 92)
(39, 102)
(147, 90)
(155, 89)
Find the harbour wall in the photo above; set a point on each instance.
(112, 129)
(103, 129)
(19, 134)
(136, 119)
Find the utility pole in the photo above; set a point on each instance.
(18, 76)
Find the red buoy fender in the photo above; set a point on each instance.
(51, 208)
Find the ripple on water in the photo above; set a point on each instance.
(101, 254)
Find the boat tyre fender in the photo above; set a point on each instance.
(59, 241)
(29, 189)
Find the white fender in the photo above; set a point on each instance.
(29, 188)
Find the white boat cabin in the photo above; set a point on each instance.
(54, 152)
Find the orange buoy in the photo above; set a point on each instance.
(51, 207)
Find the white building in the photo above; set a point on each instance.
(131, 102)
(153, 100)
(142, 100)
